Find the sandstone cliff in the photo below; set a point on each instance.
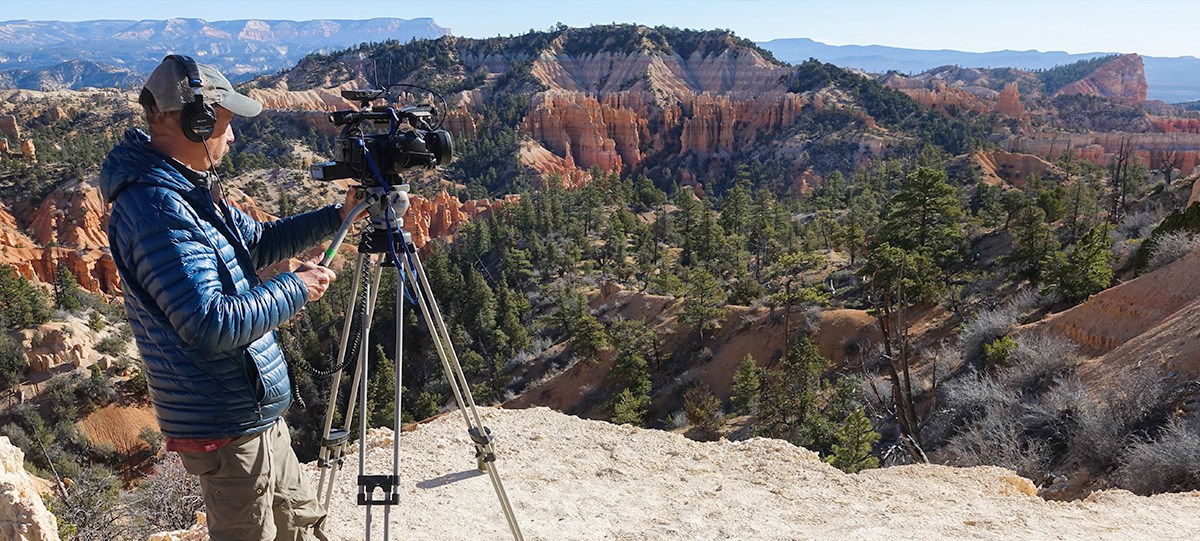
(1122, 79)
(1099, 148)
(23, 515)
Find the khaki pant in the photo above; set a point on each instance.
(254, 491)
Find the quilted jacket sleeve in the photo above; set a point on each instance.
(275, 241)
(178, 267)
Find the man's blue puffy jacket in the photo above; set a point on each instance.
(202, 319)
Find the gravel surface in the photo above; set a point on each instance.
(569, 478)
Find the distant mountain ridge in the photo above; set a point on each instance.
(122, 52)
(1172, 80)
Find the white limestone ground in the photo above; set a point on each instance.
(573, 479)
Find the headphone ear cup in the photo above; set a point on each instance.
(198, 121)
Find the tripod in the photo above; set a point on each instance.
(387, 244)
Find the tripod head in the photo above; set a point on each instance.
(386, 205)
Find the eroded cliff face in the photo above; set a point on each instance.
(69, 229)
(1099, 148)
(732, 71)
(1122, 79)
(444, 215)
(585, 132)
(613, 134)
(23, 514)
(1012, 168)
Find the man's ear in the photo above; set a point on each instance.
(163, 123)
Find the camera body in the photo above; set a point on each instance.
(409, 141)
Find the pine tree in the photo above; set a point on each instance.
(735, 210)
(13, 361)
(703, 302)
(1086, 269)
(855, 437)
(22, 304)
(925, 217)
(744, 394)
(381, 397)
(509, 310)
(788, 273)
(1033, 244)
(630, 409)
(703, 411)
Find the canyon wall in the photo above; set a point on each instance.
(23, 514)
(1099, 148)
(1122, 79)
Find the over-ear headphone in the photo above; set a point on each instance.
(197, 118)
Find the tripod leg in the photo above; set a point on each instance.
(480, 435)
(396, 416)
(326, 459)
(362, 377)
(337, 445)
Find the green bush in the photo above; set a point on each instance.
(13, 361)
(703, 411)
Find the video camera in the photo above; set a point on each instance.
(410, 140)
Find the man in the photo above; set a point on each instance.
(203, 320)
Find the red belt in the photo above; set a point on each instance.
(196, 445)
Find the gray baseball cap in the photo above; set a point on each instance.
(169, 85)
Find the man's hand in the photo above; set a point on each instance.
(315, 277)
(352, 199)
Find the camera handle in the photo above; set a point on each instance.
(387, 244)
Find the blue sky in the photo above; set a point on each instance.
(1149, 27)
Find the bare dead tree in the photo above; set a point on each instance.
(897, 345)
(1118, 169)
(1166, 161)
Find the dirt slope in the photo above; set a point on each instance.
(1150, 319)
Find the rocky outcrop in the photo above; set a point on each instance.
(537, 157)
(585, 132)
(10, 139)
(1013, 168)
(9, 128)
(1008, 102)
(442, 216)
(1176, 125)
(944, 98)
(1122, 79)
(23, 515)
(324, 99)
(72, 216)
(68, 229)
(56, 344)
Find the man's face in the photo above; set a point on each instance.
(222, 136)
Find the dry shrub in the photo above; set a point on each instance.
(1169, 247)
(1168, 463)
(703, 410)
(985, 327)
(1107, 424)
(166, 499)
(999, 439)
(1039, 361)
